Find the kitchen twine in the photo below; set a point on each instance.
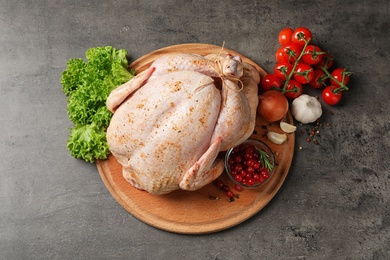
(217, 66)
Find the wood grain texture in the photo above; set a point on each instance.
(198, 212)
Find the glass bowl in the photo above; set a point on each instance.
(245, 167)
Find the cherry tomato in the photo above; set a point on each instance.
(270, 81)
(340, 75)
(289, 52)
(279, 55)
(312, 55)
(326, 61)
(330, 97)
(301, 34)
(282, 69)
(294, 88)
(285, 36)
(319, 79)
(304, 73)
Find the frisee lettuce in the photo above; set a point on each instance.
(87, 86)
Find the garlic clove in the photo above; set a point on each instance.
(276, 138)
(287, 128)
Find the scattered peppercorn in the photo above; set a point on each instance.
(226, 189)
(238, 187)
(312, 131)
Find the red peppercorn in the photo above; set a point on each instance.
(237, 167)
(238, 159)
(219, 184)
(238, 187)
(265, 174)
(261, 179)
(230, 194)
(238, 178)
(256, 165)
(225, 188)
(250, 181)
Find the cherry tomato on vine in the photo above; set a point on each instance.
(304, 73)
(279, 55)
(285, 36)
(289, 52)
(282, 69)
(270, 81)
(319, 79)
(312, 55)
(301, 34)
(326, 61)
(340, 75)
(330, 97)
(294, 88)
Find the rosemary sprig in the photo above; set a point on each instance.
(265, 160)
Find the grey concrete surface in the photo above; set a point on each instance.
(334, 203)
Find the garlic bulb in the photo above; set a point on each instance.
(306, 109)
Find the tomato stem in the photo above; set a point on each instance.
(295, 89)
(342, 87)
(284, 90)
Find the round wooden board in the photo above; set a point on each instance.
(206, 210)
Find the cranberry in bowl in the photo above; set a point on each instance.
(250, 164)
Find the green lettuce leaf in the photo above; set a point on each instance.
(87, 85)
(88, 142)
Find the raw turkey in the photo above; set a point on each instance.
(171, 121)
